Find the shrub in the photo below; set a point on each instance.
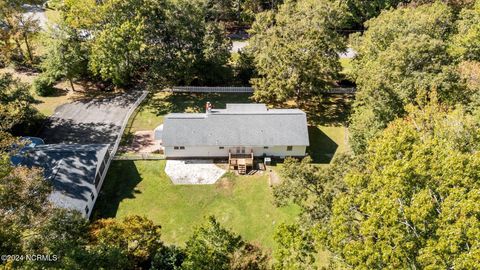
(43, 86)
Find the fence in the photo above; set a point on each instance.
(140, 156)
(234, 89)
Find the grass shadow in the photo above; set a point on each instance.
(330, 110)
(120, 183)
(164, 103)
(322, 148)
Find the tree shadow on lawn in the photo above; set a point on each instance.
(120, 183)
(192, 102)
(322, 148)
(330, 110)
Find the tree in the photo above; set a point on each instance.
(211, 247)
(412, 203)
(136, 237)
(249, 257)
(466, 43)
(469, 72)
(16, 102)
(65, 236)
(296, 51)
(168, 258)
(359, 11)
(311, 187)
(162, 42)
(117, 48)
(23, 199)
(211, 69)
(65, 57)
(17, 27)
(402, 55)
(295, 248)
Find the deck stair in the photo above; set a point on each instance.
(242, 169)
(241, 162)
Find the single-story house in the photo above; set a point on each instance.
(237, 129)
(76, 172)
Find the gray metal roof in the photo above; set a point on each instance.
(238, 125)
(71, 169)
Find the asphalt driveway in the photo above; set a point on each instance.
(90, 121)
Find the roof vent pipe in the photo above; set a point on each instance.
(208, 107)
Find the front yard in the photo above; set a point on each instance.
(242, 203)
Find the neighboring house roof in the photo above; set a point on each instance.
(237, 125)
(71, 169)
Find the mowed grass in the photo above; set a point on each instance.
(326, 142)
(242, 203)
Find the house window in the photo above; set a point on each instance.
(265, 147)
(182, 147)
(97, 180)
(87, 209)
(175, 147)
(221, 147)
(289, 148)
(179, 147)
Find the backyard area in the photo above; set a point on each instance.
(242, 203)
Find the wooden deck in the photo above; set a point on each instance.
(241, 161)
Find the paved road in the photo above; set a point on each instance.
(89, 121)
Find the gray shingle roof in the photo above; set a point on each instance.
(71, 169)
(239, 124)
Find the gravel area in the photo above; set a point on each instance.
(193, 172)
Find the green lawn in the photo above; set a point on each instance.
(243, 204)
(326, 142)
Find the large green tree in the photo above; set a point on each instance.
(402, 55)
(296, 51)
(66, 56)
(15, 102)
(214, 247)
(17, 30)
(295, 248)
(161, 41)
(135, 237)
(414, 201)
(466, 43)
(211, 247)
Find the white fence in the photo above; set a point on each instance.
(234, 89)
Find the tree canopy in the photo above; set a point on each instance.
(403, 55)
(409, 201)
(296, 50)
(412, 204)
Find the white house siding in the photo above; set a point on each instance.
(215, 151)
